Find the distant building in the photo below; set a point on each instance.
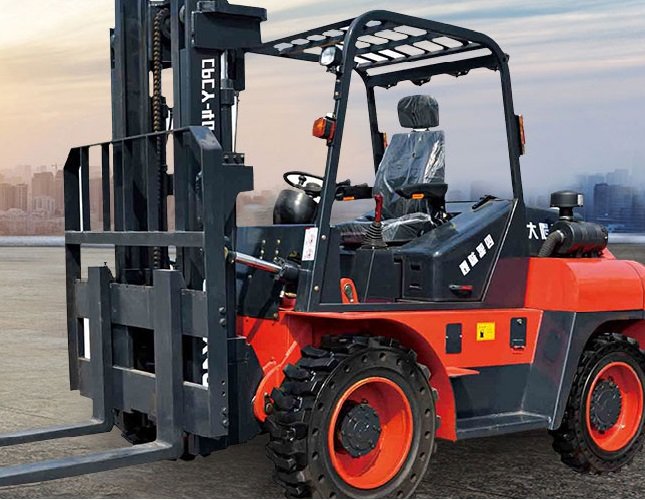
(601, 201)
(614, 205)
(43, 204)
(7, 197)
(619, 177)
(22, 197)
(638, 213)
(59, 191)
(42, 185)
(14, 197)
(586, 186)
(620, 203)
(96, 199)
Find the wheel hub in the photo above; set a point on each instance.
(606, 405)
(360, 430)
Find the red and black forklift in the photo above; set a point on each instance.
(356, 346)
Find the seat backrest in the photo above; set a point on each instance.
(417, 157)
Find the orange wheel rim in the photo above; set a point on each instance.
(383, 463)
(628, 422)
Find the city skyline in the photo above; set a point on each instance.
(32, 201)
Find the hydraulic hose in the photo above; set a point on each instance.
(554, 240)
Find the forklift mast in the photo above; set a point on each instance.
(163, 349)
(202, 43)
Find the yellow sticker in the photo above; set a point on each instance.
(485, 332)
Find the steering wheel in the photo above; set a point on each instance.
(312, 185)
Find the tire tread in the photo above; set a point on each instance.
(569, 440)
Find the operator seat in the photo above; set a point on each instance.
(416, 157)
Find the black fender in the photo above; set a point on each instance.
(561, 342)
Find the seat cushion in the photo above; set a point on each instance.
(395, 232)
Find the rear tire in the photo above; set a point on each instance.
(602, 429)
(355, 418)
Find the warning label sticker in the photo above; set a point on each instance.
(485, 332)
(309, 249)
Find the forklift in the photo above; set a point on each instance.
(354, 346)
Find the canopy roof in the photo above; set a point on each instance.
(385, 40)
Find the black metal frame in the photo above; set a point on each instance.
(168, 307)
(368, 53)
(195, 150)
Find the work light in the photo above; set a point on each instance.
(331, 57)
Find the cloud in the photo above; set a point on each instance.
(577, 67)
(54, 79)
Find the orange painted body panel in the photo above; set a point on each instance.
(431, 327)
(636, 331)
(272, 339)
(278, 343)
(585, 285)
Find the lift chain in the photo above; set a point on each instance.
(158, 118)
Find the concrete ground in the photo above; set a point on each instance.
(34, 392)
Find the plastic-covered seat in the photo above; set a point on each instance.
(416, 157)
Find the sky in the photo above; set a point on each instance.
(578, 70)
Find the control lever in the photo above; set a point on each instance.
(373, 238)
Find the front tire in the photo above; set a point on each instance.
(355, 418)
(602, 430)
